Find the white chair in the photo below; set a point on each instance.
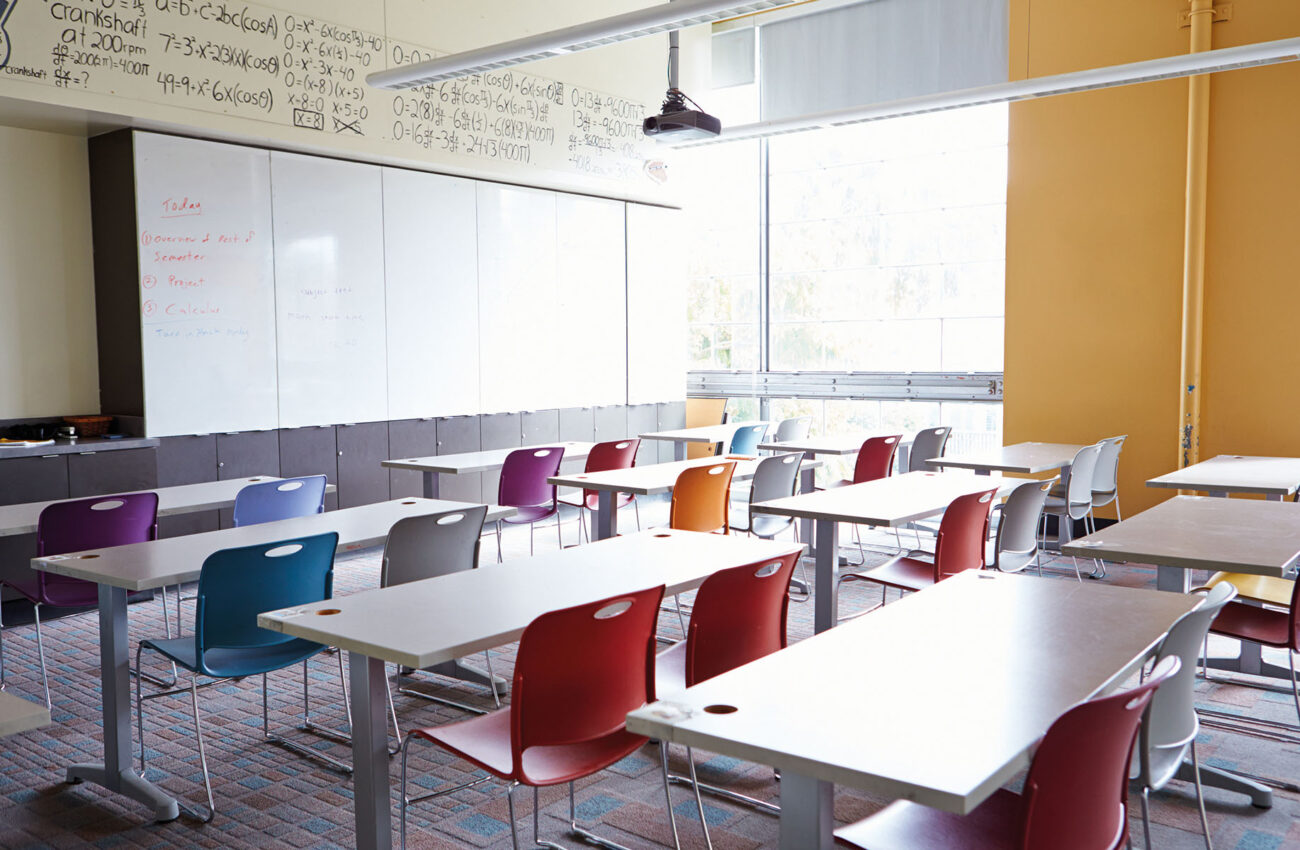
(1076, 503)
(928, 443)
(1105, 478)
(794, 428)
(1016, 545)
(775, 478)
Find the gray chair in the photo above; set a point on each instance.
(1076, 503)
(1016, 545)
(1105, 478)
(928, 443)
(794, 428)
(1170, 725)
(423, 547)
(775, 477)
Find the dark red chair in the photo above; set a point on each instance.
(578, 672)
(616, 454)
(739, 616)
(963, 532)
(1075, 797)
(1267, 627)
(74, 526)
(875, 460)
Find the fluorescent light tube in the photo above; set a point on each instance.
(1164, 68)
(642, 22)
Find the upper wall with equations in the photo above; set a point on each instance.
(294, 74)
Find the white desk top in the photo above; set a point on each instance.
(1272, 476)
(658, 477)
(484, 461)
(1027, 458)
(187, 498)
(426, 622)
(835, 444)
(20, 715)
(1203, 533)
(893, 501)
(702, 434)
(951, 688)
(159, 563)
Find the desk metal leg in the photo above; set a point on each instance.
(826, 577)
(370, 753)
(430, 484)
(458, 669)
(1261, 796)
(606, 520)
(116, 773)
(1174, 579)
(807, 483)
(679, 450)
(807, 813)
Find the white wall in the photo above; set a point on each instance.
(48, 362)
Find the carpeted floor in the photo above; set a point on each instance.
(267, 797)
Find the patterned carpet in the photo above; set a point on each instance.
(267, 797)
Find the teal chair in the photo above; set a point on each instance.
(235, 585)
(746, 439)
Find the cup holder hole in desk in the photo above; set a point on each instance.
(720, 709)
(408, 502)
(326, 611)
(86, 557)
(663, 535)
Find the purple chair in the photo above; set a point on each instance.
(523, 486)
(74, 526)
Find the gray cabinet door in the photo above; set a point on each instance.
(410, 438)
(642, 419)
(539, 426)
(457, 434)
(611, 423)
(672, 416)
(361, 448)
(498, 431)
(97, 473)
(33, 479)
(310, 451)
(187, 460)
(577, 423)
(245, 454)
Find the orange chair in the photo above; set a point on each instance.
(701, 498)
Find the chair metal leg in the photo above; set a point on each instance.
(392, 713)
(559, 526)
(1295, 683)
(1146, 816)
(1078, 575)
(531, 527)
(203, 756)
(583, 834)
(636, 508)
(406, 801)
(699, 801)
(1200, 796)
(2, 649)
(307, 726)
(668, 796)
(487, 662)
(40, 654)
(499, 558)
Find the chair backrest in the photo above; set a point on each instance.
(775, 477)
(580, 670)
(523, 476)
(962, 532)
(420, 547)
(875, 458)
(1078, 482)
(794, 428)
(1171, 721)
(235, 585)
(1105, 476)
(616, 454)
(1075, 793)
(269, 501)
(928, 443)
(746, 439)
(701, 497)
(95, 523)
(738, 616)
(1017, 542)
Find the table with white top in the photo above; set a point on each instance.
(464, 463)
(1273, 477)
(708, 434)
(653, 479)
(887, 502)
(154, 564)
(186, 498)
(1022, 649)
(427, 622)
(20, 715)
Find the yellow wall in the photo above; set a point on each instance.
(1095, 232)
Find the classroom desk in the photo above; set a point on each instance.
(891, 502)
(1273, 477)
(20, 715)
(174, 560)
(428, 622)
(653, 479)
(702, 434)
(951, 690)
(1204, 533)
(467, 462)
(187, 498)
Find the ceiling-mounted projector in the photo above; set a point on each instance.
(680, 123)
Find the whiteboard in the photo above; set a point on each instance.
(431, 272)
(656, 307)
(329, 290)
(207, 297)
(518, 313)
(591, 332)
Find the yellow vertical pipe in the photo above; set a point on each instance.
(1198, 144)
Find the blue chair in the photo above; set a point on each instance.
(235, 585)
(286, 498)
(746, 439)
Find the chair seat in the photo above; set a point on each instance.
(909, 826)
(1270, 589)
(843, 482)
(27, 585)
(905, 573)
(531, 513)
(670, 670)
(231, 662)
(485, 742)
(768, 525)
(60, 591)
(1250, 622)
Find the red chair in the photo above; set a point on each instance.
(1267, 627)
(616, 454)
(739, 616)
(875, 461)
(578, 672)
(959, 547)
(1075, 797)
